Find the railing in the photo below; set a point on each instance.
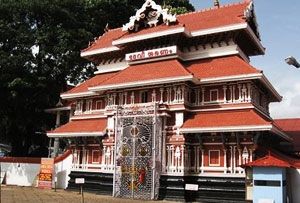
(93, 168)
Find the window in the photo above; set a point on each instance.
(95, 156)
(270, 183)
(88, 105)
(144, 97)
(214, 95)
(98, 104)
(79, 105)
(214, 157)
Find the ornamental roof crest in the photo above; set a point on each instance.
(149, 15)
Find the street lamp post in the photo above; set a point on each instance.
(292, 61)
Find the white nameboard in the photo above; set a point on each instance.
(153, 53)
(193, 187)
(79, 180)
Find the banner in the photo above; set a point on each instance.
(45, 176)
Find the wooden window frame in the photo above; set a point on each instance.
(219, 159)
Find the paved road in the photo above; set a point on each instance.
(14, 194)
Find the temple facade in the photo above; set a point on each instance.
(175, 107)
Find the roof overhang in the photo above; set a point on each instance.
(259, 76)
(202, 32)
(99, 51)
(77, 95)
(77, 134)
(231, 78)
(239, 26)
(54, 110)
(143, 83)
(246, 128)
(136, 38)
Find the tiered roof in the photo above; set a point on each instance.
(291, 126)
(213, 20)
(146, 74)
(214, 68)
(77, 128)
(230, 121)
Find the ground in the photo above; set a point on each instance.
(15, 194)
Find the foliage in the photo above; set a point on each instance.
(40, 43)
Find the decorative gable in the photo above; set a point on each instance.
(149, 15)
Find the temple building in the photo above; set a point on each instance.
(175, 107)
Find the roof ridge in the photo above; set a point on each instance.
(214, 8)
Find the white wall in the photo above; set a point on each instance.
(62, 171)
(25, 174)
(21, 174)
(294, 181)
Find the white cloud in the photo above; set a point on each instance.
(290, 105)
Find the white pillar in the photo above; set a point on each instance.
(224, 92)
(225, 161)
(161, 95)
(132, 98)
(182, 157)
(233, 93)
(103, 155)
(249, 92)
(172, 155)
(234, 159)
(202, 160)
(240, 92)
(231, 159)
(203, 96)
(251, 155)
(125, 97)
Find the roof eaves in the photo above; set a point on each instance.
(142, 83)
(149, 36)
(226, 129)
(231, 78)
(99, 51)
(77, 95)
(75, 134)
(267, 83)
(226, 28)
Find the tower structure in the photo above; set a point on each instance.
(174, 98)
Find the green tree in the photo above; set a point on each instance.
(40, 43)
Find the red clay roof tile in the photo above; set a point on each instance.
(220, 67)
(291, 127)
(226, 118)
(199, 20)
(83, 126)
(94, 81)
(271, 160)
(148, 71)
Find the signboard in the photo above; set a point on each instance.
(153, 53)
(79, 180)
(45, 176)
(192, 187)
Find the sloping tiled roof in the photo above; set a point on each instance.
(214, 17)
(291, 127)
(220, 67)
(81, 126)
(96, 80)
(226, 118)
(271, 160)
(200, 20)
(147, 72)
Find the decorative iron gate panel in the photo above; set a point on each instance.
(138, 158)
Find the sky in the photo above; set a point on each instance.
(279, 27)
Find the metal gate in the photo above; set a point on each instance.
(138, 157)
